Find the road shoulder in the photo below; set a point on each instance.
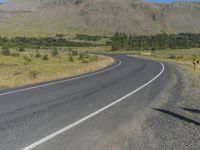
(172, 121)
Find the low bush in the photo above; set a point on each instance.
(33, 74)
(75, 53)
(5, 51)
(171, 57)
(72, 52)
(31, 55)
(81, 56)
(54, 52)
(45, 57)
(71, 58)
(15, 54)
(38, 55)
(27, 60)
(93, 58)
(179, 57)
(21, 49)
(84, 60)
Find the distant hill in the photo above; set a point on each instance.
(35, 17)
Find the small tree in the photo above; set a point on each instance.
(5, 51)
(54, 52)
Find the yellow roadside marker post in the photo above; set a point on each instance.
(195, 62)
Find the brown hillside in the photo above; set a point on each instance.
(18, 17)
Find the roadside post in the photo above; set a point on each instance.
(195, 62)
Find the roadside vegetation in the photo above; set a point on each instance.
(27, 60)
(182, 57)
(180, 48)
(44, 42)
(22, 66)
(155, 42)
(88, 37)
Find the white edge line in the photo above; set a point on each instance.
(47, 138)
(61, 81)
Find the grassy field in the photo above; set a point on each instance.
(182, 57)
(16, 71)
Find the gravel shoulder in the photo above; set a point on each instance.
(172, 121)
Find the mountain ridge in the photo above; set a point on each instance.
(104, 17)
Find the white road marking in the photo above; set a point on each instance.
(47, 138)
(61, 81)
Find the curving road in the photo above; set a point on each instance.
(81, 113)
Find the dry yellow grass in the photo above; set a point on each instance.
(185, 63)
(13, 71)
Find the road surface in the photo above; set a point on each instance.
(83, 113)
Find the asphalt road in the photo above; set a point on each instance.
(84, 113)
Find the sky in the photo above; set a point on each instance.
(2, 1)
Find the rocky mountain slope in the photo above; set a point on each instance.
(27, 17)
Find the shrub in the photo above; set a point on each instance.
(21, 49)
(45, 57)
(96, 57)
(108, 43)
(93, 58)
(60, 35)
(84, 57)
(54, 52)
(179, 57)
(5, 51)
(81, 56)
(38, 55)
(71, 58)
(27, 60)
(194, 56)
(72, 52)
(16, 73)
(33, 74)
(172, 57)
(15, 54)
(84, 60)
(69, 49)
(31, 55)
(75, 53)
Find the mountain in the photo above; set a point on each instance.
(38, 17)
